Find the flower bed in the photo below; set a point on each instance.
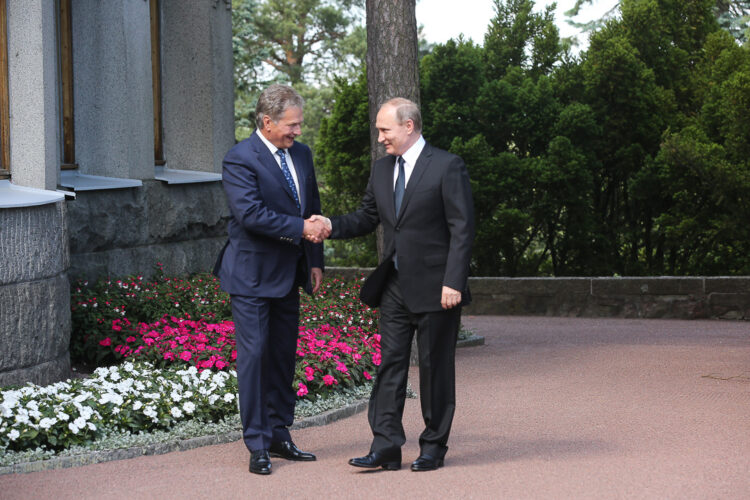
(112, 321)
(130, 397)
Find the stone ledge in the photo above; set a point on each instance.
(179, 445)
(674, 297)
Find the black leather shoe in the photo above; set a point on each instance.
(260, 462)
(375, 459)
(288, 450)
(426, 462)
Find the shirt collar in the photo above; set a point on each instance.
(412, 154)
(270, 146)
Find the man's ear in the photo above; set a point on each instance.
(266, 121)
(409, 126)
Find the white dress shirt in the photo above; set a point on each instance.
(410, 159)
(289, 163)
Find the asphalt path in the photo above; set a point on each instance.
(547, 408)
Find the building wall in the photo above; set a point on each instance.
(109, 231)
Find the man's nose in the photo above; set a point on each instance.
(380, 137)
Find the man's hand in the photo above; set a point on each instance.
(316, 276)
(325, 220)
(451, 298)
(315, 229)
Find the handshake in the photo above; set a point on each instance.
(317, 228)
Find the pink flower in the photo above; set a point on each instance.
(185, 355)
(106, 342)
(302, 390)
(309, 373)
(376, 358)
(341, 367)
(367, 375)
(130, 339)
(169, 356)
(329, 380)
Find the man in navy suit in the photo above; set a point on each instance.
(422, 197)
(273, 249)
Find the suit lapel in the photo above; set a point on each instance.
(385, 186)
(419, 169)
(300, 166)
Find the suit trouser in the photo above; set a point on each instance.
(266, 330)
(437, 333)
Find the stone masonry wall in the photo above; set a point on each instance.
(630, 297)
(127, 231)
(34, 295)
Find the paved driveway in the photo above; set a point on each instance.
(547, 408)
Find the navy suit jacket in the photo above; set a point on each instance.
(432, 235)
(265, 227)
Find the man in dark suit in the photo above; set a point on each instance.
(422, 197)
(271, 190)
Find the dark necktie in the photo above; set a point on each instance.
(398, 192)
(288, 175)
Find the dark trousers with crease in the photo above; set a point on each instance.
(437, 333)
(266, 330)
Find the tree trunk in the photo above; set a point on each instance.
(392, 63)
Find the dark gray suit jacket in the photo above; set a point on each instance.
(432, 235)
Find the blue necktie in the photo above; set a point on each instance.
(288, 176)
(398, 192)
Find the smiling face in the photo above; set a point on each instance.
(283, 132)
(396, 137)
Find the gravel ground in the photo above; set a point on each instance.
(547, 408)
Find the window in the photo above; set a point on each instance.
(156, 82)
(4, 104)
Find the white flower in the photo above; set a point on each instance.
(176, 396)
(188, 407)
(5, 411)
(62, 416)
(13, 435)
(149, 412)
(137, 405)
(73, 428)
(91, 426)
(212, 399)
(79, 422)
(176, 412)
(116, 410)
(46, 423)
(22, 418)
(32, 405)
(228, 397)
(115, 376)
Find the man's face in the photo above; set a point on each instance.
(396, 137)
(282, 133)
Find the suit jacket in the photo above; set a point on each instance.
(432, 235)
(265, 227)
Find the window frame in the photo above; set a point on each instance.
(4, 100)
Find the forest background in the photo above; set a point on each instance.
(631, 157)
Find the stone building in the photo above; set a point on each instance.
(114, 118)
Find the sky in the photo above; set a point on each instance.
(446, 19)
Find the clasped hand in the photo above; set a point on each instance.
(317, 228)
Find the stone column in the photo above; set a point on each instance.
(113, 100)
(197, 86)
(34, 295)
(32, 88)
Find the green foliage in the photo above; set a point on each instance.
(630, 159)
(342, 160)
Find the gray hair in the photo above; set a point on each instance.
(274, 101)
(406, 110)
